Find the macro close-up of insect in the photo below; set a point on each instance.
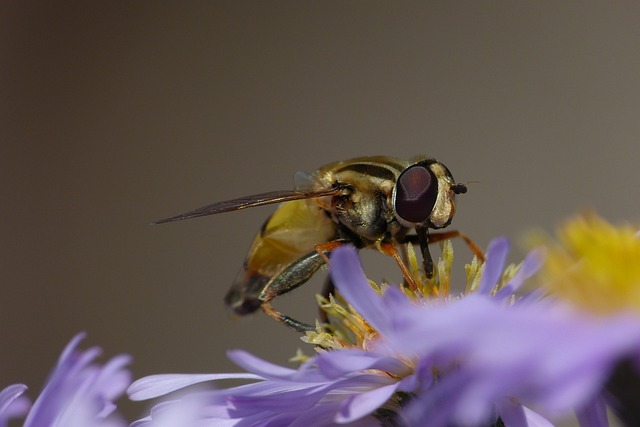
(367, 202)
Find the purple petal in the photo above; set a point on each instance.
(439, 405)
(493, 267)
(515, 415)
(395, 301)
(295, 397)
(288, 400)
(443, 325)
(594, 414)
(544, 354)
(259, 366)
(353, 285)
(159, 385)
(113, 378)
(70, 348)
(580, 359)
(421, 379)
(324, 414)
(335, 364)
(12, 405)
(530, 266)
(9, 394)
(191, 410)
(363, 404)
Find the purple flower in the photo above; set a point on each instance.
(491, 357)
(450, 361)
(78, 393)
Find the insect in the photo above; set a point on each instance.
(366, 202)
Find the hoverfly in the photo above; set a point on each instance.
(365, 202)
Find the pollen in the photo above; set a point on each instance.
(346, 328)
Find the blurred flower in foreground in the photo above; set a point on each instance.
(596, 266)
(78, 393)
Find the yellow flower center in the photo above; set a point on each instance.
(595, 265)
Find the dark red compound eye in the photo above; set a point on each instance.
(416, 194)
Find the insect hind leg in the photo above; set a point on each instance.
(286, 320)
(293, 276)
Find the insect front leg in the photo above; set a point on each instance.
(424, 238)
(391, 250)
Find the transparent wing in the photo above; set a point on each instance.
(303, 181)
(254, 200)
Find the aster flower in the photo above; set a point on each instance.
(593, 265)
(78, 393)
(395, 356)
(367, 381)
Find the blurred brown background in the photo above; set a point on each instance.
(114, 114)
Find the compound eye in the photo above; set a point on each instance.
(416, 194)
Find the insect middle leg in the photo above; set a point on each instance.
(444, 235)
